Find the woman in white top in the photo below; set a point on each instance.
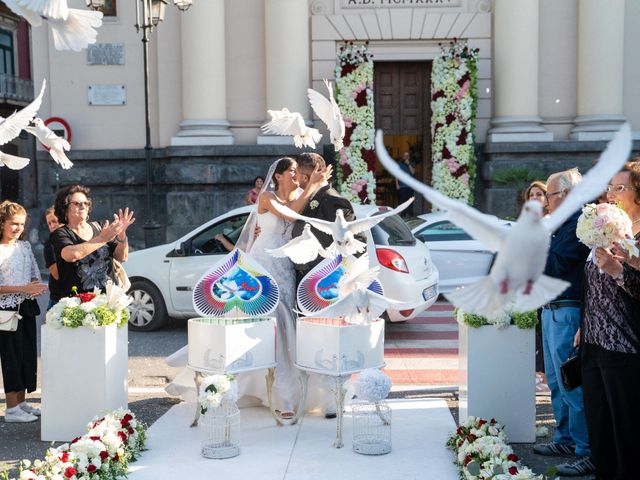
(19, 283)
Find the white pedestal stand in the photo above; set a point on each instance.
(84, 373)
(497, 378)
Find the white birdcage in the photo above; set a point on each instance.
(371, 428)
(221, 431)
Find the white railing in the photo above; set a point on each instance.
(14, 88)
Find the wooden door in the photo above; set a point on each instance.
(403, 110)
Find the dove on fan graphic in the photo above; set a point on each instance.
(54, 143)
(71, 28)
(11, 127)
(516, 282)
(328, 111)
(343, 232)
(284, 122)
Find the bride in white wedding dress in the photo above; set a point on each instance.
(280, 186)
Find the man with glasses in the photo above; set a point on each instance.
(560, 322)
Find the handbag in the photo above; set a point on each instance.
(9, 320)
(120, 275)
(570, 370)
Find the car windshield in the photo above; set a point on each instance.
(392, 231)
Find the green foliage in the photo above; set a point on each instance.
(517, 175)
(104, 315)
(73, 316)
(523, 320)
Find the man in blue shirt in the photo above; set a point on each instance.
(560, 322)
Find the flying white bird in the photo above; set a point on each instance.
(11, 127)
(302, 249)
(516, 282)
(284, 122)
(358, 275)
(72, 28)
(343, 232)
(329, 112)
(54, 143)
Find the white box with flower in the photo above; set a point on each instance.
(84, 372)
(497, 377)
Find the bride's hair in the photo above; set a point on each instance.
(283, 165)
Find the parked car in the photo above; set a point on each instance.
(163, 277)
(459, 258)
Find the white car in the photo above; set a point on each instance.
(459, 258)
(163, 277)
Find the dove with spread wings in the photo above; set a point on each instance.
(71, 28)
(284, 122)
(302, 249)
(516, 282)
(11, 127)
(54, 143)
(328, 111)
(342, 231)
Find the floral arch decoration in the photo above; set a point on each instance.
(354, 95)
(454, 100)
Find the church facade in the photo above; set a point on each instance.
(555, 80)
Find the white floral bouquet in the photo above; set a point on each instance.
(215, 390)
(604, 224)
(372, 385)
(93, 309)
(104, 452)
(482, 452)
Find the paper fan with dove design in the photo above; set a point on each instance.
(236, 287)
(320, 287)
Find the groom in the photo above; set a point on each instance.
(323, 205)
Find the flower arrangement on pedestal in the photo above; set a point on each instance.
(103, 453)
(454, 101)
(93, 309)
(524, 320)
(354, 95)
(214, 390)
(482, 452)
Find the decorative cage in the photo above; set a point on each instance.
(221, 431)
(372, 428)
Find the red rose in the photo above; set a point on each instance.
(95, 438)
(116, 457)
(64, 457)
(481, 422)
(69, 472)
(86, 297)
(124, 423)
(131, 431)
(104, 455)
(123, 436)
(75, 440)
(467, 460)
(450, 118)
(361, 98)
(437, 95)
(512, 457)
(91, 468)
(445, 153)
(513, 471)
(472, 438)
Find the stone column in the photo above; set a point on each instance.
(287, 50)
(204, 93)
(600, 69)
(515, 61)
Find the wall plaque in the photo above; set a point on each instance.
(364, 4)
(106, 95)
(105, 54)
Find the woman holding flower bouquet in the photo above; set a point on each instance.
(19, 284)
(85, 250)
(610, 342)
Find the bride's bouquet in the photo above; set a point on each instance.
(604, 224)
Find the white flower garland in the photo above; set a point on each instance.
(453, 106)
(482, 452)
(354, 94)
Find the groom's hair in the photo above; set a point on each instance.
(308, 161)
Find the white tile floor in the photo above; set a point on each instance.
(303, 452)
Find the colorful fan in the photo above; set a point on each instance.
(236, 287)
(319, 288)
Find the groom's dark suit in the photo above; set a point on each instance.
(323, 205)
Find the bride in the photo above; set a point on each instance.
(280, 186)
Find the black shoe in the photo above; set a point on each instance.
(553, 449)
(577, 467)
(330, 415)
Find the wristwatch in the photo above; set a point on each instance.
(121, 241)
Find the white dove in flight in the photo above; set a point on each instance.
(54, 143)
(343, 232)
(11, 127)
(516, 282)
(71, 28)
(302, 249)
(329, 112)
(284, 122)
(358, 275)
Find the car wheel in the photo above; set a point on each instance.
(147, 311)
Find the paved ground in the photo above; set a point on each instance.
(421, 359)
